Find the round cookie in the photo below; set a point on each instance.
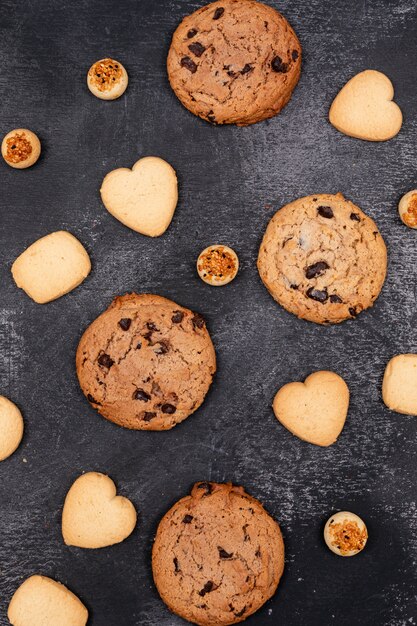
(21, 148)
(218, 556)
(345, 533)
(323, 259)
(407, 209)
(146, 363)
(217, 265)
(11, 428)
(107, 79)
(234, 62)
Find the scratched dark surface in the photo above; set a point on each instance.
(231, 182)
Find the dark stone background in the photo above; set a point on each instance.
(232, 180)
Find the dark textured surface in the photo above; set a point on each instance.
(231, 182)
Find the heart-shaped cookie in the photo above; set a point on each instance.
(41, 601)
(364, 108)
(315, 410)
(143, 198)
(93, 516)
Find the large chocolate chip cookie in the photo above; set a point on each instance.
(218, 555)
(146, 363)
(323, 259)
(234, 62)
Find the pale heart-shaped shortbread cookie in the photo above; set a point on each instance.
(364, 108)
(143, 198)
(40, 601)
(93, 516)
(315, 410)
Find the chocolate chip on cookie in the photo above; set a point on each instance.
(105, 360)
(168, 408)
(323, 259)
(218, 574)
(278, 66)
(141, 366)
(317, 294)
(140, 394)
(242, 68)
(198, 321)
(177, 317)
(196, 48)
(316, 269)
(189, 64)
(325, 211)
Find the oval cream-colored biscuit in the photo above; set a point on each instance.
(41, 601)
(399, 387)
(142, 198)
(93, 515)
(51, 267)
(364, 108)
(314, 410)
(107, 79)
(345, 533)
(20, 148)
(407, 209)
(11, 428)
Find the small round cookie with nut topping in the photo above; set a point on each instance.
(107, 79)
(345, 534)
(407, 209)
(20, 148)
(217, 265)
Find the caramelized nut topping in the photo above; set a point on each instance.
(18, 148)
(105, 74)
(347, 536)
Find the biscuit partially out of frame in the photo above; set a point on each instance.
(399, 387)
(41, 601)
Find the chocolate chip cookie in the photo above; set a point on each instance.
(234, 62)
(146, 363)
(218, 555)
(323, 259)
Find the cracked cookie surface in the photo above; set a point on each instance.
(218, 555)
(323, 259)
(234, 62)
(146, 363)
